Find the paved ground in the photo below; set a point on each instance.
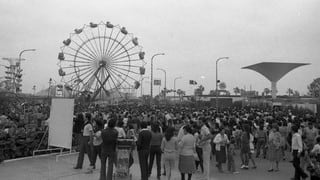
(47, 168)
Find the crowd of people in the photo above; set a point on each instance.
(192, 136)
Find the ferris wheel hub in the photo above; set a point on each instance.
(104, 61)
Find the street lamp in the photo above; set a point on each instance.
(142, 84)
(165, 81)
(217, 81)
(174, 87)
(49, 89)
(151, 83)
(18, 64)
(20, 54)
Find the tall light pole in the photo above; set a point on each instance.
(142, 84)
(217, 81)
(174, 86)
(34, 90)
(151, 83)
(49, 89)
(165, 81)
(18, 65)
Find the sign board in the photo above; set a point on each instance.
(59, 92)
(276, 104)
(61, 123)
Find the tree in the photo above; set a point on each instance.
(212, 92)
(290, 92)
(199, 91)
(296, 93)
(243, 92)
(181, 93)
(236, 90)
(266, 91)
(314, 88)
(222, 86)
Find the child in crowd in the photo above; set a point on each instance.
(230, 154)
(316, 148)
(314, 167)
(314, 163)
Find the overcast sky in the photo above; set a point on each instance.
(192, 34)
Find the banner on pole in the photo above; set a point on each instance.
(193, 82)
(157, 82)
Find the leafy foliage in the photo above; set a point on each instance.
(314, 88)
(222, 86)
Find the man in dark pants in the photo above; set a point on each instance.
(85, 141)
(297, 147)
(108, 150)
(143, 147)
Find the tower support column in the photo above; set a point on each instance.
(274, 89)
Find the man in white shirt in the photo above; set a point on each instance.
(297, 148)
(85, 141)
(121, 132)
(204, 143)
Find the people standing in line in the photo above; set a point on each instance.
(181, 130)
(252, 151)
(261, 141)
(204, 143)
(187, 150)
(97, 141)
(169, 147)
(314, 162)
(155, 149)
(78, 129)
(143, 147)
(316, 148)
(237, 135)
(230, 153)
(221, 140)
(85, 141)
(283, 129)
(304, 156)
(274, 148)
(297, 147)
(165, 124)
(108, 148)
(198, 149)
(245, 146)
(311, 133)
(131, 134)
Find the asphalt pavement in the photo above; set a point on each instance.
(49, 168)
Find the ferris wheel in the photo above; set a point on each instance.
(101, 59)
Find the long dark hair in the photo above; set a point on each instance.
(169, 133)
(99, 125)
(155, 127)
(246, 129)
(88, 117)
(188, 129)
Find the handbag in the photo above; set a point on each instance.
(196, 157)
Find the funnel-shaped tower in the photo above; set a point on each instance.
(274, 71)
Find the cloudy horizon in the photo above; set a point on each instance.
(191, 33)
